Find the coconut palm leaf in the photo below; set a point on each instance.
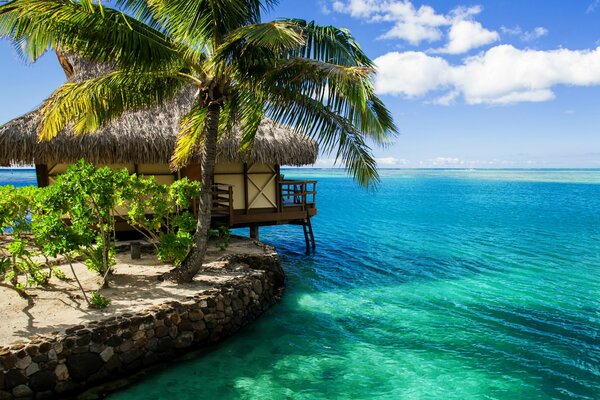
(108, 35)
(92, 104)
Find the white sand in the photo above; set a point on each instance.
(134, 287)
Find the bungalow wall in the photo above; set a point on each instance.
(254, 185)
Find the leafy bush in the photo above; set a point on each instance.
(19, 255)
(162, 214)
(98, 301)
(224, 235)
(88, 196)
(76, 216)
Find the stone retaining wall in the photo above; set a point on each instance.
(54, 366)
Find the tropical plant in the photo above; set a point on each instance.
(87, 196)
(223, 234)
(161, 214)
(98, 301)
(315, 79)
(20, 253)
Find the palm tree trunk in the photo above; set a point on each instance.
(193, 262)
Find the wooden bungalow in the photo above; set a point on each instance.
(249, 189)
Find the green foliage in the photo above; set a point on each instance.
(18, 257)
(174, 247)
(161, 214)
(98, 301)
(88, 196)
(224, 236)
(94, 258)
(59, 274)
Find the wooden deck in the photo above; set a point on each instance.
(296, 204)
(296, 201)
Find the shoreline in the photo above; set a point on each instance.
(83, 356)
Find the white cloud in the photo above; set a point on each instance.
(422, 24)
(526, 36)
(390, 161)
(447, 99)
(592, 6)
(410, 73)
(501, 75)
(466, 35)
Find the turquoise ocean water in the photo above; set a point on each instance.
(441, 285)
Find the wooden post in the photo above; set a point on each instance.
(246, 189)
(254, 232)
(136, 250)
(41, 172)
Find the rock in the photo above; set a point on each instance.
(32, 350)
(173, 332)
(114, 341)
(32, 369)
(8, 361)
(14, 378)
(131, 355)
(186, 326)
(84, 340)
(52, 354)
(176, 319)
(113, 364)
(45, 347)
(22, 391)
(97, 347)
(61, 372)
(81, 366)
(184, 340)
(24, 362)
(126, 346)
(195, 315)
(5, 395)
(58, 348)
(42, 381)
(165, 344)
(73, 329)
(48, 394)
(151, 344)
(107, 353)
(257, 287)
(139, 335)
(161, 331)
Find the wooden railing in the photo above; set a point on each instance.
(297, 193)
(222, 201)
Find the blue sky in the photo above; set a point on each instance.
(484, 84)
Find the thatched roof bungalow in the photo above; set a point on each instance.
(251, 191)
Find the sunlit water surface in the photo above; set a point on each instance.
(441, 285)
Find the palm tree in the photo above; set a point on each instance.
(315, 79)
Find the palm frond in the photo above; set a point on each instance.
(347, 91)
(93, 103)
(203, 24)
(277, 37)
(330, 44)
(335, 133)
(94, 31)
(190, 140)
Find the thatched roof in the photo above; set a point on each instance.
(142, 136)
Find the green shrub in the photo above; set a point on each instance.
(59, 274)
(98, 301)
(161, 214)
(223, 233)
